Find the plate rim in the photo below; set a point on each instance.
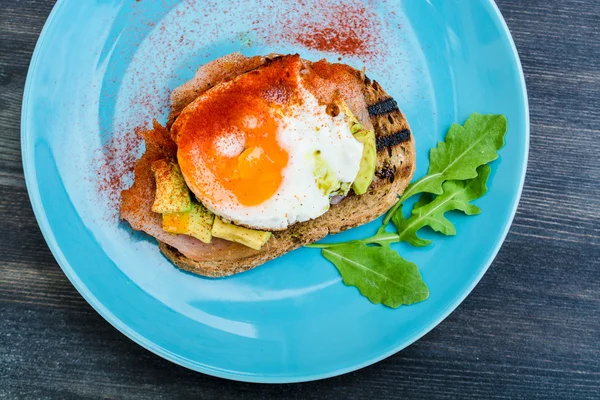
(40, 215)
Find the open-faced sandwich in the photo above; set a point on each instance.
(262, 155)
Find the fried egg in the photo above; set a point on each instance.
(263, 152)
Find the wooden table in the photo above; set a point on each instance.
(531, 328)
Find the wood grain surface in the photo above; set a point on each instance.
(531, 328)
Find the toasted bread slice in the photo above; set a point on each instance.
(395, 167)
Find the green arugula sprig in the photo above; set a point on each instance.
(458, 173)
(457, 158)
(379, 273)
(456, 195)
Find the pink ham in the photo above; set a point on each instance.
(211, 74)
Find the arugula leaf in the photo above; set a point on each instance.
(457, 158)
(424, 199)
(379, 273)
(457, 196)
(465, 148)
(408, 236)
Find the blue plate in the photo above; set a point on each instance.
(102, 67)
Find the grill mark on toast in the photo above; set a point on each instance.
(383, 107)
(392, 140)
(387, 118)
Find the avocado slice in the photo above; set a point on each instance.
(247, 237)
(172, 194)
(326, 179)
(355, 126)
(369, 155)
(367, 163)
(197, 223)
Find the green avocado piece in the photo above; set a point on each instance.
(355, 126)
(248, 237)
(326, 179)
(367, 163)
(369, 155)
(197, 222)
(201, 222)
(172, 194)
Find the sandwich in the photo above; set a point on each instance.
(262, 155)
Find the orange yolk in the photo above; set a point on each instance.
(251, 175)
(247, 165)
(254, 175)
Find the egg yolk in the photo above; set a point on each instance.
(244, 159)
(256, 173)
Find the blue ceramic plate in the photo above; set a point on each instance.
(102, 67)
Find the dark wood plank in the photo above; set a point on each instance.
(529, 330)
(20, 25)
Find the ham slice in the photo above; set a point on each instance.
(329, 81)
(211, 74)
